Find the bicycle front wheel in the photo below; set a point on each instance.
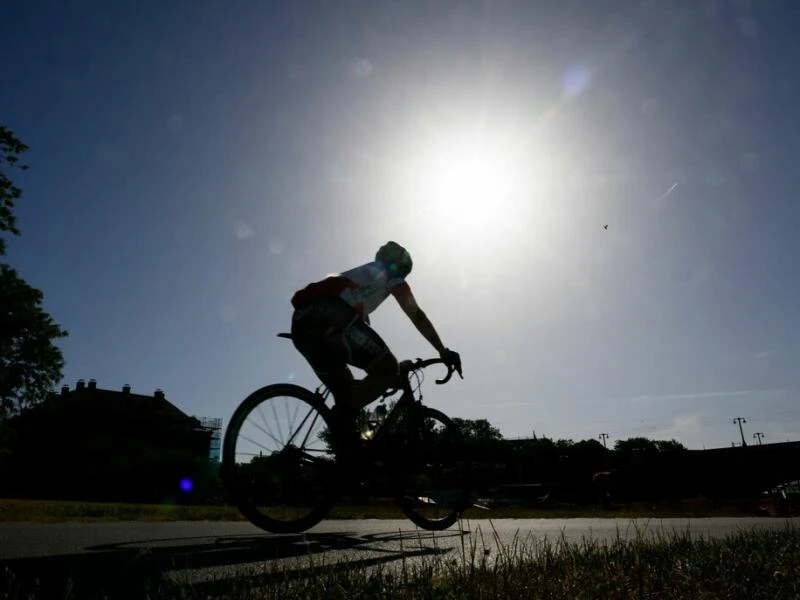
(431, 472)
(278, 461)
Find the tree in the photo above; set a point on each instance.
(481, 442)
(645, 447)
(30, 363)
(589, 454)
(11, 149)
(636, 447)
(664, 446)
(478, 430)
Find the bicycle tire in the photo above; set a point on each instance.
(235, 485)
(461, 497)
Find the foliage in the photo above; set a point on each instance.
(669, 446)
(640, 447)
(11, 149)
(589, 451)
(30, 363)
(478, 430)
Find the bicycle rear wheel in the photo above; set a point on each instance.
(431, 472)
(277, 459)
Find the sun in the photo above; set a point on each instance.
(470, 186)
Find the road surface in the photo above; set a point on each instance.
(201, 551)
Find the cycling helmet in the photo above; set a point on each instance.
(396, 257)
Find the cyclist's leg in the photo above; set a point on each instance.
(370, 353)
(317, 335)
(330, 334)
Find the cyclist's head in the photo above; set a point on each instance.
(396, 257)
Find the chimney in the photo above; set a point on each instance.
(159, 394)
(126, 389)
(92, 384)
(64, 390)
(81, 384)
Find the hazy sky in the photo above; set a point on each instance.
(193, 163)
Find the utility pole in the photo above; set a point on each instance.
(741, 420)
(604, 437)
(758, 435)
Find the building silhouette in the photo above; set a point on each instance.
(89, 443)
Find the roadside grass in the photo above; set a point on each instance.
(748, 565)
(745, 565)
(58, 511)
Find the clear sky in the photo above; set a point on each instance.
(193, 163)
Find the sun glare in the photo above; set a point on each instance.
(472, 188)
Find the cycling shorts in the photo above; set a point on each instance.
(331, 334)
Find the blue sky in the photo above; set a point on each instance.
(194, 163)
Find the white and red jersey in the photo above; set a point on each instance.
(363, 288)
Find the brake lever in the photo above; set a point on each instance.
(447, 377)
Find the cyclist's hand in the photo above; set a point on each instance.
(453, 360)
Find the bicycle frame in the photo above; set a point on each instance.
(405, 405)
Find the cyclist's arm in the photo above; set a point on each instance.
(408, 303)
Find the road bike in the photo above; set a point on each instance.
(287, 458)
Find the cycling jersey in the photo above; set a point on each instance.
(363, 288)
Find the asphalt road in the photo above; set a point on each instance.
(202, 551)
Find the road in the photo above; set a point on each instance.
(202, 551)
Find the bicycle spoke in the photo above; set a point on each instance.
(277, 422)
(310, 412)
(269, 434)
(294, 415)
(255, 443)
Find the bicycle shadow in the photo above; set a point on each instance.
(138, 569)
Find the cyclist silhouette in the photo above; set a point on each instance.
(330, 328)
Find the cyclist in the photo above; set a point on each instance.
(330, 328)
